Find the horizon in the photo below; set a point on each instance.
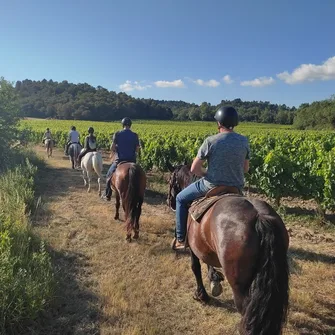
(179, 51)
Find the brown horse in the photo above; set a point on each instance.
(248, 240)
(128, 183)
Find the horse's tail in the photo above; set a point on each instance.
(97, 163)
(133, 199)
(265, 308)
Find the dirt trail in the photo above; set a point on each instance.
(107, 286)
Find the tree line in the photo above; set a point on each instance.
(64, 100)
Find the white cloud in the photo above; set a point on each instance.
(310, 72)
(227, 79)
(258, 82)
(209, 83)
(176, 83)
(131, 86)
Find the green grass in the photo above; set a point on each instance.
(26, 275)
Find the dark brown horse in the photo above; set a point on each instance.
(128, 183)
(248, 240)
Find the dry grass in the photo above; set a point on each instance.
(108, 286)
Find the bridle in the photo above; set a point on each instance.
(174, 185)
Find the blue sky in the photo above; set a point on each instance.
(188, 50)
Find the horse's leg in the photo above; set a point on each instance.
(137, 222)
(200, 294)
(215, 279)
(117, 205)
(99, 183)
(239, 297)
(84, 172)
(89, 177)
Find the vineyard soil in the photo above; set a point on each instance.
(107, 286)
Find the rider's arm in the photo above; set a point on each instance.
(87, 145)
(114, 144)
(138, 146)
(196, 167)
(247, 159)
(246, 165)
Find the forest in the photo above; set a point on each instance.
(64, 100)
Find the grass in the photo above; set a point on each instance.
(108, 286)
(25, 269)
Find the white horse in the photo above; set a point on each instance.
(90, 163)
(74, 151)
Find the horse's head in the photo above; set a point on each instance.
(180, 177)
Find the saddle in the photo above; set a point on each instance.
(200, 206)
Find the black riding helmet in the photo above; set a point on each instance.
(90, 130)
(126, 122)
(227, 117)
(73, 128)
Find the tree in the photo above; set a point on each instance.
(9, 116)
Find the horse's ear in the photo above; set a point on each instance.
(169, 166)
(187, 163)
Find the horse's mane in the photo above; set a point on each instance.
(182, 176)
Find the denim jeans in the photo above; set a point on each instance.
(111, 170)
(183, 200)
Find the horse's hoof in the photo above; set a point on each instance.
(136, 236)
(201, 296)
(128, 238)
(116, 217)
(216, 288)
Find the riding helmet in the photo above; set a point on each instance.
(126, 122)
(90, 130)
(73, 128)
(227, 117)
(48, 129)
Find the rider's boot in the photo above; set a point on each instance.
(108, 193)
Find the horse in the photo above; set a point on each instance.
(74, 151)
(129, 183)
(248, 240)
(90, 163)
(49, 143)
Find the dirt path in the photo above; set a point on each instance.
(107, 286)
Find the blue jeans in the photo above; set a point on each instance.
(111, 170)
(183, 200)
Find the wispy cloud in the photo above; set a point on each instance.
(310, 72)
(131, 86)
(227, 79)
(209, 83)
(176, 83)
(258, 82)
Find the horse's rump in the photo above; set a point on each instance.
(48, 143)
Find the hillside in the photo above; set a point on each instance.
(50, 99)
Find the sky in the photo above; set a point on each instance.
(191, 50)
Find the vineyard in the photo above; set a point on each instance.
(284, 162)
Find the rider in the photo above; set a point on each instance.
(125, 144)
(47, 135)
(90, 144)
(227, 155)
(73, 138)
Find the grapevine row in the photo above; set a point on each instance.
(283, 162)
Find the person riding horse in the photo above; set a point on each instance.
(47, 135)
(227, 154)
(72, 139)
(90, 144)
(125, 144)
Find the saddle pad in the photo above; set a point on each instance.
(201, 206)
